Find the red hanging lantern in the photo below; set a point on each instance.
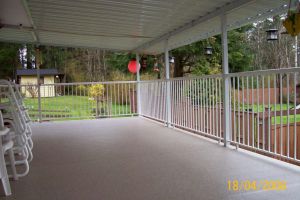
(132, 66)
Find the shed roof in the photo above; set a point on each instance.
(129, 25)
(30, 72)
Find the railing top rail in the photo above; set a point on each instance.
(154, 80)
(185, 78)
(265, 72)
(197, 77)
(28, 85)
(240, 74)
(81, 83)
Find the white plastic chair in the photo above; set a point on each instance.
(5, 147)
(20, 130)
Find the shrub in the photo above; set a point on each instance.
(97, 91)
(82, 89)
(32, 90)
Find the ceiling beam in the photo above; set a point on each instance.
(34, 29)
(217, 12)
(18, 27)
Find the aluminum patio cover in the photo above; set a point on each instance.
(126, 25)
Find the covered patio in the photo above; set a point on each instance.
(158, 151)
(134, 158)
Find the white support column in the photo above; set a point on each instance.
(296, 51)
(138, 79)
(168, 92)
(226, 82)
(37, 65)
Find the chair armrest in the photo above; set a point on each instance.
(4, 131)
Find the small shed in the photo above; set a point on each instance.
(28, 80)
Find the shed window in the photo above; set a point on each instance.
(42, 80)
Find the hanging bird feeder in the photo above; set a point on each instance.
(171, 60)
(155, 67)
(144, 62)
(208, 50)
(132, 66)
(272, 34)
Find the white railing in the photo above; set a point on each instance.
(263, 106)
(63, 101)
(263, 109)
(264, 112)
(196, 103)
(153, 100)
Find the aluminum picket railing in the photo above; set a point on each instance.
(264, 109)
(63, 101)
(153, 100)
(265, 113)
(196, 103)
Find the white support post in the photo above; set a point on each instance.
(138, 79)
(226, 82)
(168, 92)
(296, 51)
(37, 63)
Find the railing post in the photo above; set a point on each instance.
(168, 92)
(296, 51)
(226, 82)
(138, 79)
(37, 59)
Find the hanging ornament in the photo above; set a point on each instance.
(171, 59)
(208, 50)
(155, 67)
(272, 34)
(144, 62)
(132, 66)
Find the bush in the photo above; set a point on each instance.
(120, 76)
(97, 91)
(82, 89)
(32, 90)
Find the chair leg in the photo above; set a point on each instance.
(6, 185)
(12, 164)
(4, 176)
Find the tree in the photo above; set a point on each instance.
(9, 60)
(271, 54)
(190, 59)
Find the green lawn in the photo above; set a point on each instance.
(277, 107)
(260, 107)
(73, 107)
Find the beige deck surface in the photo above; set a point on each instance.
(135, 159)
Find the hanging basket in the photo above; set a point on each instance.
(292, 24)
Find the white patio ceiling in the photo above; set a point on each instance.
(130, 25)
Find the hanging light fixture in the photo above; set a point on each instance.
(272, 34)
(171, 59)
(208, 50)
(144, 62)
(155, 67)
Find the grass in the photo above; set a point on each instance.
(277, 107)
(260, 108)
(73, 107)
